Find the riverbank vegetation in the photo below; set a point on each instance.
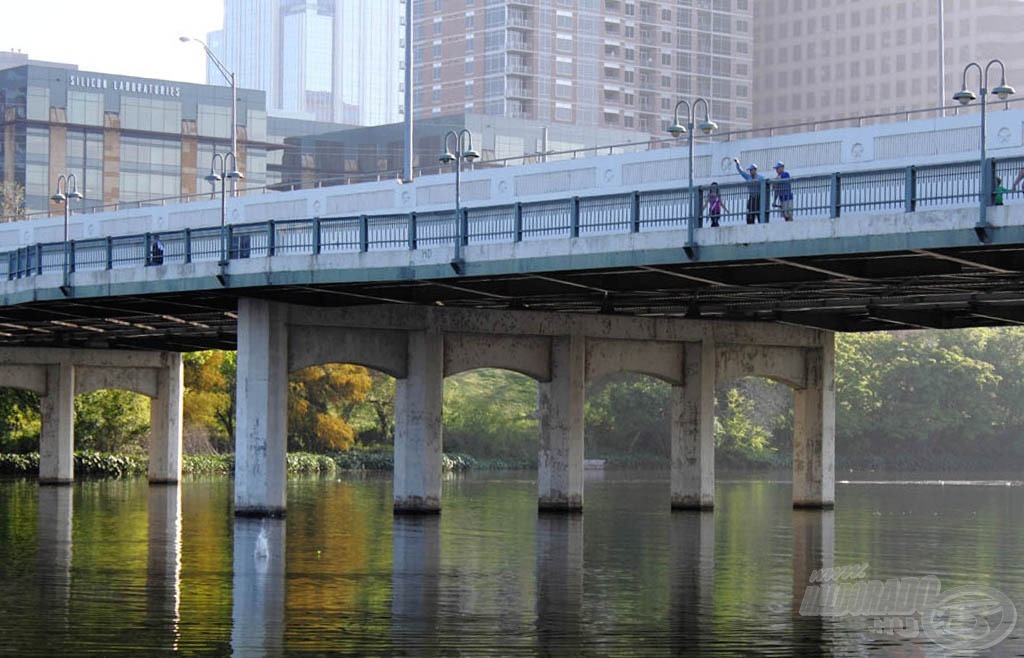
(908, 400)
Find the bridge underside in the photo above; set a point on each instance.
(933, 288)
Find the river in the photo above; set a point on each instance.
(119, 568)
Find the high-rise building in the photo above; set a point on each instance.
(602, 63)
(827, 59)
(324, 60)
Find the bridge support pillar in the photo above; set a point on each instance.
(262, 398)
(560, 407)
(56, 440)
(693, 441)
(165, 421)
(417, 480)
(814, 428)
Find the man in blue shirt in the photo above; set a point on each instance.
(753, 190)
(783, 192)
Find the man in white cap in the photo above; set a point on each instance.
(753, 190)
(783, 192)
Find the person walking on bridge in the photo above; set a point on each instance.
(753, 190)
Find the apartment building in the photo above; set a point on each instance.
(816, 60)
(617, 64)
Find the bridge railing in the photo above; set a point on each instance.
(904, 189)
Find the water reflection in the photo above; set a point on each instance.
(163, 564)
(54, 551)
(559, 583)
(258, 589)
(814, 538)
(692, 573)
(415, 583)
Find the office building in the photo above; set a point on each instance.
(816, 60)
(125, 139)
(336, 61)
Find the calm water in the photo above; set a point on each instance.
(123, 569)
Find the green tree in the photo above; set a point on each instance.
(111, 420)
(490, 413)
(627, 413)
(19, 420)
(374, 418)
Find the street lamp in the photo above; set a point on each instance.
(463, 151)
(230, 77)
(965, 96)
(70, 191)
(222, 174)
(707, 126)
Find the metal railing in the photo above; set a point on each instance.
(904, 189)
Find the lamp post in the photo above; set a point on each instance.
(229, 76)
(70, 191)
(707, 126)
(463, 151)
(965, 96)
(222, 174)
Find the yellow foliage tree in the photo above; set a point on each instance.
(320, 401)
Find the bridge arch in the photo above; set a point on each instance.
(782, 364)
(526, 355)
(383, 350)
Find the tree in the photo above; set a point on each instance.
(209, 399)
(111, 420)
(319, 402)
(374, 418)
(19, 420)
(12, 201)
(491, 413)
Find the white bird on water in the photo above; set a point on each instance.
(262, 550)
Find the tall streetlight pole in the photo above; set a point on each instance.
(707, 126)
(463, 151)
(229, 76)
(70, 191)
(965, 96)
(222, 174)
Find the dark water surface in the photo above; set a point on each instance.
(120, 568)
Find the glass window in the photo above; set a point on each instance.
(150, 168)
(151, 114)
(85, 108)
(38, 99)
(214, 121)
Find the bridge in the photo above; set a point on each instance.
(565, 271)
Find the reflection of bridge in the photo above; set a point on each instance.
(569, 271)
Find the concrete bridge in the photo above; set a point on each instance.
(565, 272)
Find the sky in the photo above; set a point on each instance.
(127, 37)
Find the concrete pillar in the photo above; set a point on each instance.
(56, 439)
(261, 409)
(165, 422)
(417, 480)
(814, 429)
(693, 439)
(560, 408)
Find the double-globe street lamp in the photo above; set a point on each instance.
(222, 173)
(707, 126)
(229, 76)
(965, 96)
(463, 151)
(67, 189)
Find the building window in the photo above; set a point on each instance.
(162, 116)
(85, 108)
